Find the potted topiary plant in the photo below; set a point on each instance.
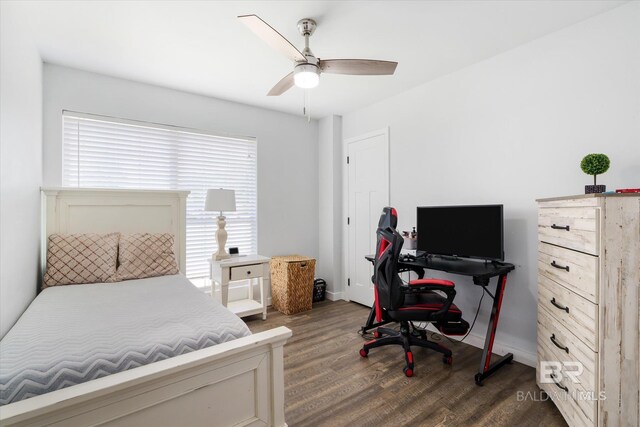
(595, 164)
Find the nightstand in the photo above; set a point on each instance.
(242, 268)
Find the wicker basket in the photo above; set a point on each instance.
(292, 283)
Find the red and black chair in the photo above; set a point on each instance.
(423, 300)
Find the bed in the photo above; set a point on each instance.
(187, 360)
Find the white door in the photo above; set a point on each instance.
(368, 193)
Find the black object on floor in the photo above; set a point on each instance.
(319, 290)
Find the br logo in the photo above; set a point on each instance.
(552, 371)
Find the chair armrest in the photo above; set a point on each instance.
(427, 285)
(436, 282)
(422, 285)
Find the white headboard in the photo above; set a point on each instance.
(89, 210)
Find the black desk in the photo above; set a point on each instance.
(482, 274)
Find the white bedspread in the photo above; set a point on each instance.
(77, 333)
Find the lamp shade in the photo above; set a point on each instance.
(219, 199)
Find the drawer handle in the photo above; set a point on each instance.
(560, 227)
(563, 387)
(561, 267)
(553, 301)
(553, 340)
(248, 271)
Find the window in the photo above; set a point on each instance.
(113, 153)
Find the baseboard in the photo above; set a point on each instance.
(477, 340)
(335, 296)
(524, 357)
(474, 339)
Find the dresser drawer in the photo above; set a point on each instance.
(576, 271)
(573, 228)
(246, 272)
(576, 400)
(576, 411)
(570, 309)
(563, 346)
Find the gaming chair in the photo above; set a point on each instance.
(423, 300)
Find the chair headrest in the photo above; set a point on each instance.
(389, 218)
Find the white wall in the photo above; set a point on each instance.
(329, 265)
(511, 129)
(20, 163)
(287, 145)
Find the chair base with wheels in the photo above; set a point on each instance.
(420, 305)
(407, 337)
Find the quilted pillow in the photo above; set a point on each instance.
(81, 258)
(146, 255)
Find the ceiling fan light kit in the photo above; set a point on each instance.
(306, 76)
(306, 66)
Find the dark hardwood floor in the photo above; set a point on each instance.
(327, 383)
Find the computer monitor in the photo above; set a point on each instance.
(462, 231)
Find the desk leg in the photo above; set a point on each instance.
(370, 321)
(486, 367)
(369, 324)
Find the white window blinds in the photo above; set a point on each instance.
(114, 153)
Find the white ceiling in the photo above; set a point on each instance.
(201, 47)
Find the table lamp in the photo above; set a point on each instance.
(220, 200)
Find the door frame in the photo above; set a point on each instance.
(345, 195)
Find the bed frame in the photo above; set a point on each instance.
(237, 383)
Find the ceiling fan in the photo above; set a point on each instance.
(307, 68)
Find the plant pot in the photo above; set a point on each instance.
(594, 189)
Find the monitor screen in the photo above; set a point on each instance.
(463, 231)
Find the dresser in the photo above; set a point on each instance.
(588, 299)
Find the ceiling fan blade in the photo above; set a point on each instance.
(358, 67)
(282, 86)
(273, 38)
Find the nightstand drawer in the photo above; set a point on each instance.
(245, 272)
(573, 228)
(576, 313)
(574, 270)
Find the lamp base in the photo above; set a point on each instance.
(221, 237)
(219, 257)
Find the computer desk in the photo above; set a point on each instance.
(482, 273)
